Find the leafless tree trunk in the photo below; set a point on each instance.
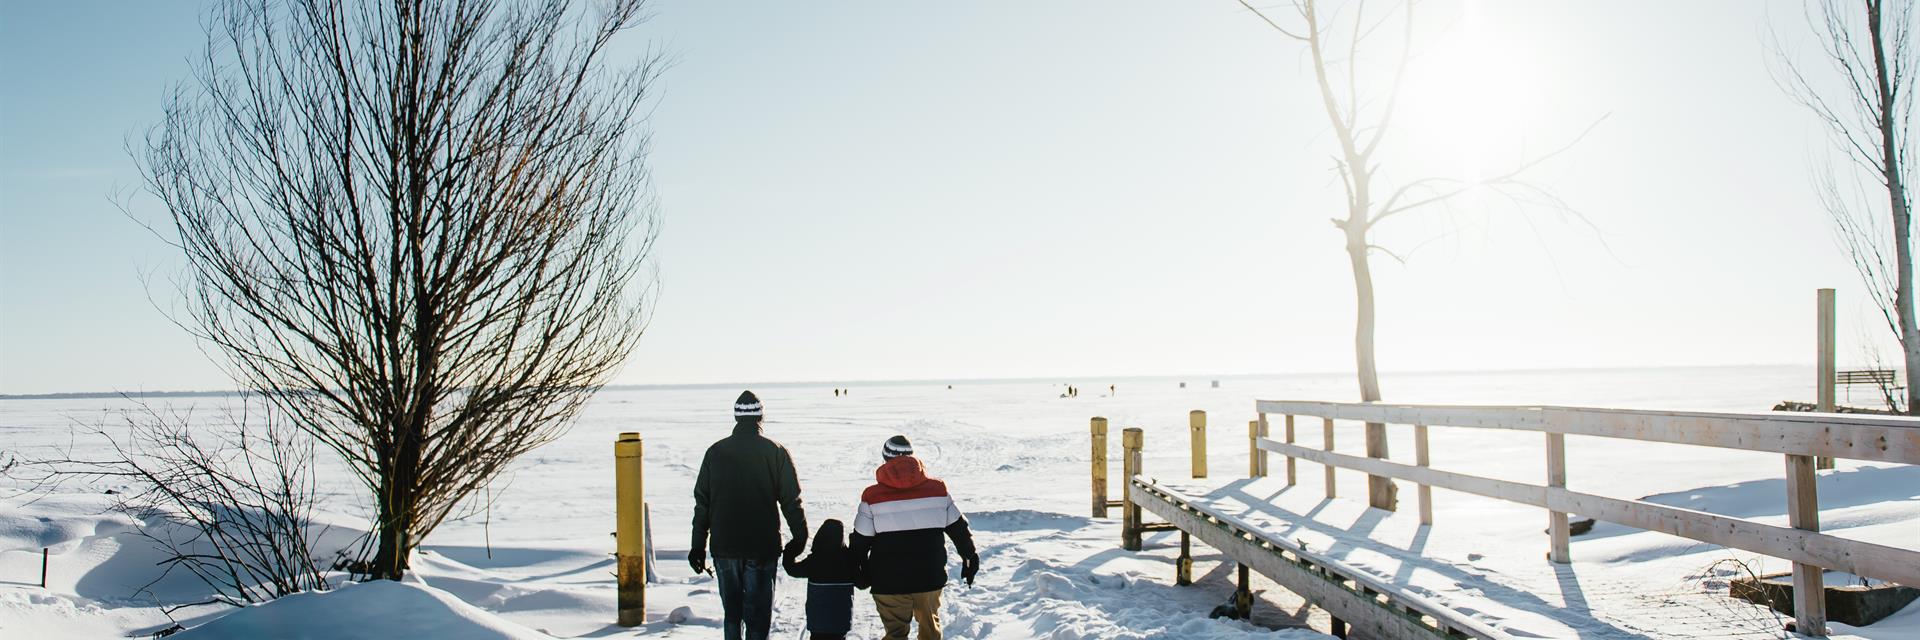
(1360, 131)
(418, 227)
(1866, 100)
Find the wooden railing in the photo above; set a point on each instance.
(1800, 437)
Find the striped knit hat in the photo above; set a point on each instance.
(747, 408)
(895, 447)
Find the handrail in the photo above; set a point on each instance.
(1802, 437)
(1833, 435)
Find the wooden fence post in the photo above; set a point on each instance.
(1183, 567)
(1420, 458)
(43, 567)
(1809, 581)
(630, 530)
(1291, 479)
(1557, 478)
(1256, 459)
(1130, 443)
(1327, 435)
(1823, 391)
(1197, 424)
(1099, 427)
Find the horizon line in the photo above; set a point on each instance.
(62, 395)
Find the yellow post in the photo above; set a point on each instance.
(1130, 443)
(1197, 424)
(1253, 448)
(1099, 467)
(630, 532)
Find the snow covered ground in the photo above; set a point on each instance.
(1014, 454)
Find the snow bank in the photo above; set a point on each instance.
(380, 609)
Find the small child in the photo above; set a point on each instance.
(830, 575)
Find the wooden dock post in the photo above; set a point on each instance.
(1291, 479)
(1243, 595)
(1130, 443)
(1823, 389)
(1197, 425)
(1557, 479)
(1420, 459)
(1183, 567)
(1256, 458)
(1099, 427)
(1803, 512)
(630, 531)
(1327, 435)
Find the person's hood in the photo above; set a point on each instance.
(831, 537)
(902, 472)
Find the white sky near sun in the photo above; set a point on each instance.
(875, 190)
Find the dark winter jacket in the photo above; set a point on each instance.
(898, 530)
(742, 480)
(831, 577)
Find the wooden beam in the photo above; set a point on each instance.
(1824, 369)
(1099, 428)
(1850, 436)
(1291, 478)
(1803, 513)
(1327, 436)
(1420, 459)
(1131, 441)
(1892, 564)
(1557, 528)
(1197, 424)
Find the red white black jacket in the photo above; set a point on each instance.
(898, 529)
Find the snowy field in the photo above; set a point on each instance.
(537, 563)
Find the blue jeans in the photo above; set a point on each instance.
(746, 595)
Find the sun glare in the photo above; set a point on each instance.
(1470, 98)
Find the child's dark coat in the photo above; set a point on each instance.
(831, 578)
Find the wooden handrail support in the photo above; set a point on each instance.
(1373, 606)
(1801, 437)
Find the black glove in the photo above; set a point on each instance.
(969, 566)
(698, 560)
(793, 549)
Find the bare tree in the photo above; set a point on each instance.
(231, 502)
(1865, 99)
(1360, 124)
(417, 227)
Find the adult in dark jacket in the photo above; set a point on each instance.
(742, 479)
(898, 534)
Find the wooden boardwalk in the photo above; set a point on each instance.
(1486, 581)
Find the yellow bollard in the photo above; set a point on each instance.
(1130, 443)
(1099, 467)
(1256, 459)
(1197, 423)
(630, 532)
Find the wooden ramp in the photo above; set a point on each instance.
(1370, 604)
(1387, 576)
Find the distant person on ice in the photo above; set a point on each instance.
(831, 576)
(897, 533)
(742, 480)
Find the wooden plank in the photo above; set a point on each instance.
(1317, 578)
(1420, 459)
(1291, 478)
(1803, 513)
(1326, 434)
(1557, 528)
(1851, 436)
(1892, 564)
(1098, 427)
(1823, 371)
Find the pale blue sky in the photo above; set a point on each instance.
(871, 190)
